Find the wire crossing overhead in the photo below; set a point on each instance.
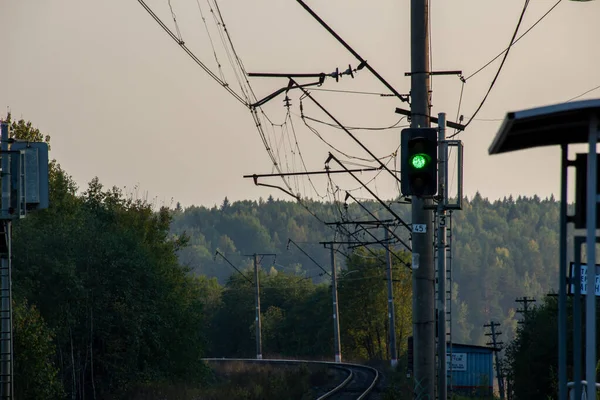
(177, 38)
(363, 62)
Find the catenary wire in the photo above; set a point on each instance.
(354, 128)
(512, 40)
(191, 54)
(584, 93)
(212, 44)
(519, 38)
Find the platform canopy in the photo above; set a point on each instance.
(564, 123)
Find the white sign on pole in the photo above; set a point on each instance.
(459, 361)
(584, 281)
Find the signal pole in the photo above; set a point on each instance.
(422, 242)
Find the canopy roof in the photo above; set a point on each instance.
(563, 123)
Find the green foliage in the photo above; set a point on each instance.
(36, 375)
(103, 271)
(363, 300)
(505, 241)
(532, 358)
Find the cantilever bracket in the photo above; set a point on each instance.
(286, 89)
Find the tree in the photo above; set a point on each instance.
(103, 271)
(363, 306)
(36, 375)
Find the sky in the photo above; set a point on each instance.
(123, 102)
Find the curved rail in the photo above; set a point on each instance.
(339, 388)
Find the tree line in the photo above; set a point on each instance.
(502, 249)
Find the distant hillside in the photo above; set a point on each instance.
(502, 250)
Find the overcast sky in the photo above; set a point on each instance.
(123, 102)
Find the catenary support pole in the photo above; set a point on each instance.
(422, 243)
(441, 260)
(257, 303)
(336, 319)
(391, 312)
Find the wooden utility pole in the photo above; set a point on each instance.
(497, 348)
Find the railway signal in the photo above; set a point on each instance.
(419, 161)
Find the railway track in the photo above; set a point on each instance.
(358, 384)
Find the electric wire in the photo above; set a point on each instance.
(354, 92)
(512, 41)
(583, 94)
(331, 146)
(392, 158)
(180, 42)
(175, 21)
(354, 128)
(515, 41)
(229, 50)
(301, 157)
(212, 45)
(273, 151)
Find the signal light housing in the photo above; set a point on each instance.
(419, 159)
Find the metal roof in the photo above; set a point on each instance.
(556, 124)
(484, 349)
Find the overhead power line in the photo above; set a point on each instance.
(516, 40)
(584, 93)
(181, 44)
(512, 41)
(356, 128)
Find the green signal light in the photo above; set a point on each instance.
(420, 161)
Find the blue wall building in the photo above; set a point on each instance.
(472, 370)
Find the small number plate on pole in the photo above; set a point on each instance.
(419, 228)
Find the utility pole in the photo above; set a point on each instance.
(257, 304)
(441, 260)
(6, 336)
(336, 319)
(525, 310)
(422, 242)
(391, 312)
(494, 334)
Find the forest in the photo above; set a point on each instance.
(113, 295)
(502, 249)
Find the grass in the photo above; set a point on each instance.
(237, 380)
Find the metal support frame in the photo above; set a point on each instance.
(6, 326)
(590, 300)
(336, 320)
(391, 311)
(441, 257)
(562, 278)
